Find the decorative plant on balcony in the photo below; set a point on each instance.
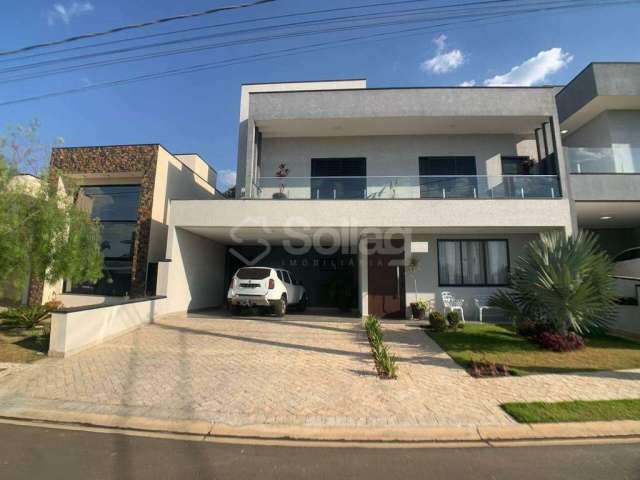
(561, 285)
(282, 172)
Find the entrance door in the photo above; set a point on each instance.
(386, 280)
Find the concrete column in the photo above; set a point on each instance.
(363, 275)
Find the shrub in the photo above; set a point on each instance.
(563, 282)
(487, 369)
(529, 328)
(453, 319)
(437, 321)
(385, 361)
(26, 317)
(558, 342)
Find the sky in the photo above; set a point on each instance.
(198, 112)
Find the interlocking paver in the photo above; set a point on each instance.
(303, 370)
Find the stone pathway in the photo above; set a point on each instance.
(303, 370)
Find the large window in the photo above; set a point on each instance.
(473, 262)
(117, 208)
(338, 178)
(448, 177)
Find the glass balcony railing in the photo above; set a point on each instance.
(617, 159)
(409, 187)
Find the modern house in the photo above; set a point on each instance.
(129, 188)
(341, 184)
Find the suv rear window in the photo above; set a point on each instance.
(253, 273)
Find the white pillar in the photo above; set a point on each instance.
(363, 274)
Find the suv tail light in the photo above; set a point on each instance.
(272, 284)
(232, 285)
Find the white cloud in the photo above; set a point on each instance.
(440, 41)
(468, 83)
(534, 70)
(443, 61)
(65, 14)
(226, 179)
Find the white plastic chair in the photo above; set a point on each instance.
(482, 305)
(452, 303)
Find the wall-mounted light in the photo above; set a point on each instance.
(564, 132)
(606, 218)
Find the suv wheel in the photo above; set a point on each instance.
(280, 307)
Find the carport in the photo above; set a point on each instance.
(201, 261)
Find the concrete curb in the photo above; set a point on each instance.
(206, 429)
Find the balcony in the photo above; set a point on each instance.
(410, 187)
(617, 160)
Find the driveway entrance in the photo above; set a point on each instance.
(303, 370)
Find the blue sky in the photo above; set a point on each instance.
(199, 112)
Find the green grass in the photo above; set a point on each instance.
(500, 344)
(578, 411)
(19, 345)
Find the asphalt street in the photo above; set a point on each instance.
(28, 452)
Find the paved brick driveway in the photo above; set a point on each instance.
(303, 370)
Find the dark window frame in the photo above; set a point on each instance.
(455, 164)
(129, 259)
(316, 175)
(484, 243)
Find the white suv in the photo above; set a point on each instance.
(266, 287)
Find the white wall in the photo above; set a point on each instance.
(70, 300)
(245, 133)
(174, 181)
(618, 130)
(73, 332)
(427, 275)
(389, 155)
(194, 278)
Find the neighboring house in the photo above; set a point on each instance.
(129, 188)
(600, 119)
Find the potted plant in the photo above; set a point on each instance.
(419, 308)
(282, 172)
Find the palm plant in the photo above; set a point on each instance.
(563, 282)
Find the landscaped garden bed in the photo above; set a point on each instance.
(575, 411)
(501, 345)
(561, 299)
(385, 361)
(24, 332)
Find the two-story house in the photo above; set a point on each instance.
(341, 184)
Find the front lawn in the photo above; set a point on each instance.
(576, 411)
(500, 345)
(19, 345)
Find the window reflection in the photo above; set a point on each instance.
(116, 206)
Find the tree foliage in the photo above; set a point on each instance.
(42, 231)
(563, 282)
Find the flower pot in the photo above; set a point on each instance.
(418, 312)
(279, 196)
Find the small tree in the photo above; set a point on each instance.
(412, 266)
(563, 282)
(43, 234)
